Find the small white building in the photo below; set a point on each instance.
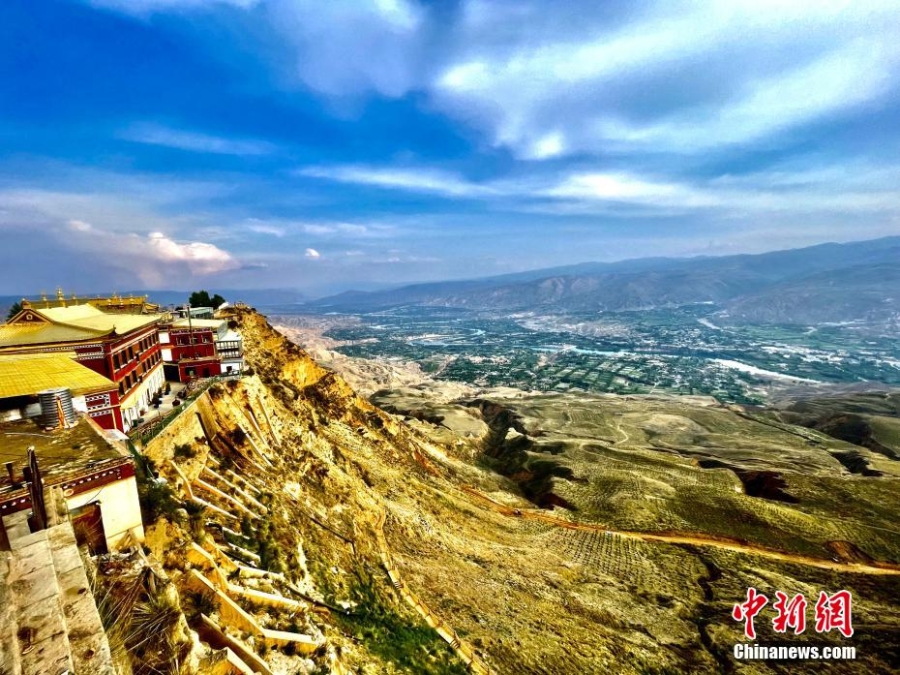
(88, 468)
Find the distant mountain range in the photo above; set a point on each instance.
(858, 281)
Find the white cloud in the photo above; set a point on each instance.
(664, 76)
(346, 48)
(834, 189)
(312, 254)
(821, 191)
(412, 180)
(142, 7)
(551, 145)
(90, 227)
(836, 82)
(281, 228)
(200, 257)
(80, 226)
(315, 228)
(259, 227)
(630, 189)
(773, 66)
(154, 134)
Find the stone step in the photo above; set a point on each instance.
(10, 661)
(87, 639)
(49, 624)
(41, 632)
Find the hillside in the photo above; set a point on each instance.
(568, 536)
(867, 293)
(808, 285)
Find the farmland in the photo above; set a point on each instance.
(680, 351)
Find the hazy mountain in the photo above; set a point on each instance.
(828, 282)
(860, 293)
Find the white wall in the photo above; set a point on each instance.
(140, 398)
(120, 509)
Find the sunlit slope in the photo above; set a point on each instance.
(685, 465)
(411, 530)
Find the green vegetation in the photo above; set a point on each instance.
(680, 350)
(183, 451)
(157, 499)
(203, 299)
(14, 309)
(409, 644)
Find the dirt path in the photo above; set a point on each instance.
(692, 538)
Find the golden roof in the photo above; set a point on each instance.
(88, 316)
(25, 375)
(77, 323)
(16, 335)
(115, 303)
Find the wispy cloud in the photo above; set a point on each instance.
(411, 180)
(148, 6)
(259, 227)
(192, 141)
(347, 48)
(773, 66)
(825, 189)
(440, 129)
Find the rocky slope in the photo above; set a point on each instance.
(309, 531)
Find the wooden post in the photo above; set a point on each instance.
(38, 520)
(4, 537)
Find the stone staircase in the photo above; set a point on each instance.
(49, 624)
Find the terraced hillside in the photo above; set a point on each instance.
(313, 532)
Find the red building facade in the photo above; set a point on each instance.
(122, 347)
(104, 409)
(189, 349)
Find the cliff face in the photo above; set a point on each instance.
(276, 545)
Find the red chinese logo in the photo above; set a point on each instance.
(791, 613)
(747, 611)
(833, 612)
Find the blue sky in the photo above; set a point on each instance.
(333, 145)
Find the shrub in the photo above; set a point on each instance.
(198, 603)
(184, 451)
(157, 500)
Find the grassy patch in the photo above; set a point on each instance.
(410, 645)
(157, 499)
